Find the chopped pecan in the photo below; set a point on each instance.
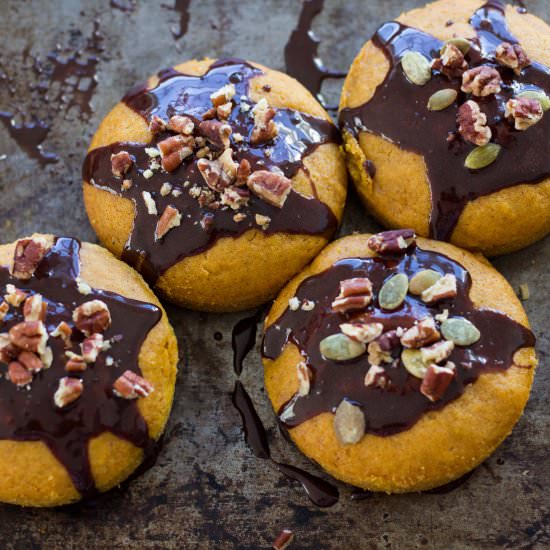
(63, 331)
(216, 132)
(451, 63)
(131, 386)
(170, 218)
(207, 222)
(174, 150)
(472, 124)
(437, 380)
(376, 377)
(377, 355)
(362, 332)
(283, 540)
(214, 175)
(150, 203)
(92, 317)
(437, 352)
(512, 56)
(14, 296)
(18, 374)
(262, 221)
(481, 81)
(29, 336)
(4, 308)
(181, 124)
(423, 333)
(165, 189)
(265, 128)
(157, 125)
(235, 197)
(304, 379)
(210, 114)
(239, 217)
(354, 294)
(224, 111)
(126, 184)
(35, 308)
(28, 255)
(30, 361)
(92, 346)
(8, 352)
(223, 95)
(121, 162)
(441, 289)
(75, 363)
(392, 242)
(243, 171)
(525, 112)
(69, 390)
(390, 340)
(271, 187)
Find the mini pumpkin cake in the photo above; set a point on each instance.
(212, 174)
(445, 129)
(398, 366)
(88, 374)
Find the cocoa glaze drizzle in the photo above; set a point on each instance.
(181, 7)
(243, 339)
(301, 57)
(397, 407)
(176, 93)
(398, 112)
(31, 415)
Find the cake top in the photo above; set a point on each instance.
(69, 356)
(386, 339)
(218, 165)
(474, 109)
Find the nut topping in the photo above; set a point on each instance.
(28, 254)
(438, 352)
(18, 374)
(441, 289)
(362, 332)
(437, 380)
(416, 68)
(92, 346)
(30, 361)
(181, 125)
(393, 292)
(339, 347)
(216, 132)
(157, 125)
(35, 308)
(423, 333)
(4, 308)
(422, 280)
(69, 390)
(63, 331)
(271, 187)
(392, 242)
(131, 386)
(174, 150)
(377, 355)
(75, 363)
(29, 336)
(524, 111)
(472, 124)
(14, 297)
(375, 377)
(512, 56)
(265, 128)
(92, 317)
(213, 174)
(481, 81)
(354, 294)
(283, 540)
(243, 172)
(349, 423)
(235, 197)
(170, 218)
(483, 156)
(223, 95)
(304, 378)
(451, 63)
(121, 162)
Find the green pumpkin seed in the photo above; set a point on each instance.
(461, 43)
(460, 331)
(423, 280)
(539, 96)
(442, 99)
(481, 157)
(416, 68)
(412, 360)
(340, 347)
(393, 291)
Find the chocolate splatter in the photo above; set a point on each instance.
(182, 8)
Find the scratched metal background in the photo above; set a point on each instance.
(207, 490)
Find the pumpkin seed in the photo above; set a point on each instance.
(442, 99)
(461, 43)
(393, 291)
(349, 423)
(416, 68)
(481, 157)
(340, 347)
(423, 280)
(412, 360)
(460, 331)
(539, 96)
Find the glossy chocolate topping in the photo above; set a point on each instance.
(201, 226)
(400, 404)
(398, 112)
(29, 413)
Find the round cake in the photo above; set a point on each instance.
(88, 360)
(398, 365)
(217, 180)
(445, 125)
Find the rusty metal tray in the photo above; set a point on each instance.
(207, 490)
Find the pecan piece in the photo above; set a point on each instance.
(392, 242)
(8, 352)
(423, 333)
(14, 297)
(223, 95)
(170, 218)
(224, 111)
(271, 187)
(92, 346)
(174, 150)
(69, 390)
(283, 540)
(437, 380)
(362, 332)
(451, 63)
(181, 125)
(4, 308)
(472, 124)
(304, 379)
(437, 352)
(92, 317)
(18, 374)
(157, 125)
(243, 171)
(75, 363)
(28, 254)
(377, 355)
(441, 289)
(512, 56)
(376, 377)
(131, 386)
(355, 293)
(235, 197)
(29, 336)
(121, 162)
(481, 81)
(30, 361)
(35, 308)
(525, 112)
(216, 132)
(265, 128)
(214, 175)
(63, 331)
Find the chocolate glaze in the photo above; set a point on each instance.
(399, 406)
(398, 112)
(176, 93)
(182, 8)
(30, 415)
(301, 57)
(243, 339)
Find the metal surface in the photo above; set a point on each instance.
(207, 490)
